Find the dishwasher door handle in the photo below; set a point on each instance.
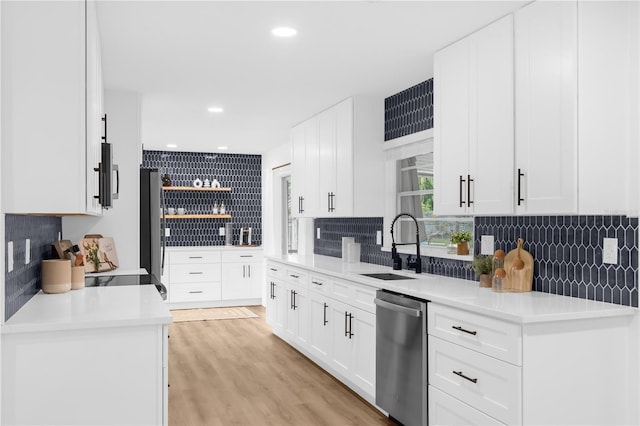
(398, 308)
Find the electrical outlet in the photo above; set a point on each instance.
(221, 231)
(27, 251)
(487, 244)
(167, 232)
(10, 256)
(318, 233)
(610, 251)
(379, 238)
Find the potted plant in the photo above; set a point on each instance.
(483, 265)
(461, 238)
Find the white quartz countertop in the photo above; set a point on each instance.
(529, 307)
(212, 248)
(90, 307)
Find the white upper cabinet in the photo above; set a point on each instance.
(473, 134)
(339, 173)
(608, 107)
(546, 108)
(51, 107)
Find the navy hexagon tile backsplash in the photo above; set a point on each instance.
(567, 251)
(240, 172)
(409, 111)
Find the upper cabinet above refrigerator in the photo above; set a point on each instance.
(52, 105)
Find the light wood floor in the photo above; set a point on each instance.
(236, 372)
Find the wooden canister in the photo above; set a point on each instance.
(56, 275)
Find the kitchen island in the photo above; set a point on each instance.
(92, 356)
(493, 358)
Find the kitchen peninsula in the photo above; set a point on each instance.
(94, 353)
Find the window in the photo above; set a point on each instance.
(290, 224)
(415, 197)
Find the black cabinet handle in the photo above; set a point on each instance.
(457, 327)
(459, 373)
(469, 180)
(324, 322)
(273, 269)
(290, 299)
(244, 271)
(346, 332)
(195, 292)
(350, 326)
(520, 175)
(316, 282)
(300, 204)
(294, 276)
(195, 257)
(461, 183)
(329, 202)
(249, 271)
(104, 119)
(195, 273)
(295, 293)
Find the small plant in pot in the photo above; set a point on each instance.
(461, 238)
(483, 265)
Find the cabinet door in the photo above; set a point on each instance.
(342, 202)
(304, 176)
(327, 161)
(320, 326)
(546, 107)
(276, 304)
(298, 173)
(451, 132)
(341, 345)
(607, 161)
(363, 338)
(491, 138)
(234, 281)
(253, 280)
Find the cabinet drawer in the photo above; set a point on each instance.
(297, 276)
(194, 273)
(499, 339)
(483, 382)
(276, 270)
(194, 257)
(242, 255)
(354, 294)
(194, 292)
(320, 283)
(446, 410)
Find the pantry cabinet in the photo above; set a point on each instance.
(51, 107)
(546, 115)
(334, 157)
(473, 135)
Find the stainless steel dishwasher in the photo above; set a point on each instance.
(401, 357)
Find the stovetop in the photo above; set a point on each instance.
(119, 280)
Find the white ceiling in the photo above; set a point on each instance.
(185, 56)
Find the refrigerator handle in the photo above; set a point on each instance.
(163, 236)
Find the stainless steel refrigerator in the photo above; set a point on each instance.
(152, 222)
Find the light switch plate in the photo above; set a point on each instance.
(10, 256)
(318, 233)
(221, 231)
(27, 251)
(487, 244)
(167, 232)
(379, 238)
(610, 251)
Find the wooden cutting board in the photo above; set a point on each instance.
(518, 280)
(101, 251)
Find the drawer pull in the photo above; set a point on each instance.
(294, 276)
(316, 282)
(195, 273)
(246, 255)
(457, 327)
(459, 373)
(273, 269)
(194, 292)
(195, 257)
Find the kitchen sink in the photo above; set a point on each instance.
(388, 276)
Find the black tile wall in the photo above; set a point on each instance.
(242, 173)
(24, 281)
(567, 253)
(409, 111)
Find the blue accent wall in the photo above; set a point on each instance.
(242, 173)
(24, 281)
(409, 111)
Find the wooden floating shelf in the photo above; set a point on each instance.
(198, 216)
(194, 188)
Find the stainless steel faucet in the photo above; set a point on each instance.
(416, 263)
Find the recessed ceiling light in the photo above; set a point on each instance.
(172, 145)
(215, 109)
(222, 148)
(284, 32)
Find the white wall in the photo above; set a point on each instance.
(271, 208)
(122, 221)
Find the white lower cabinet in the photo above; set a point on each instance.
(328, 319)
(200, 277)
(484, 370)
